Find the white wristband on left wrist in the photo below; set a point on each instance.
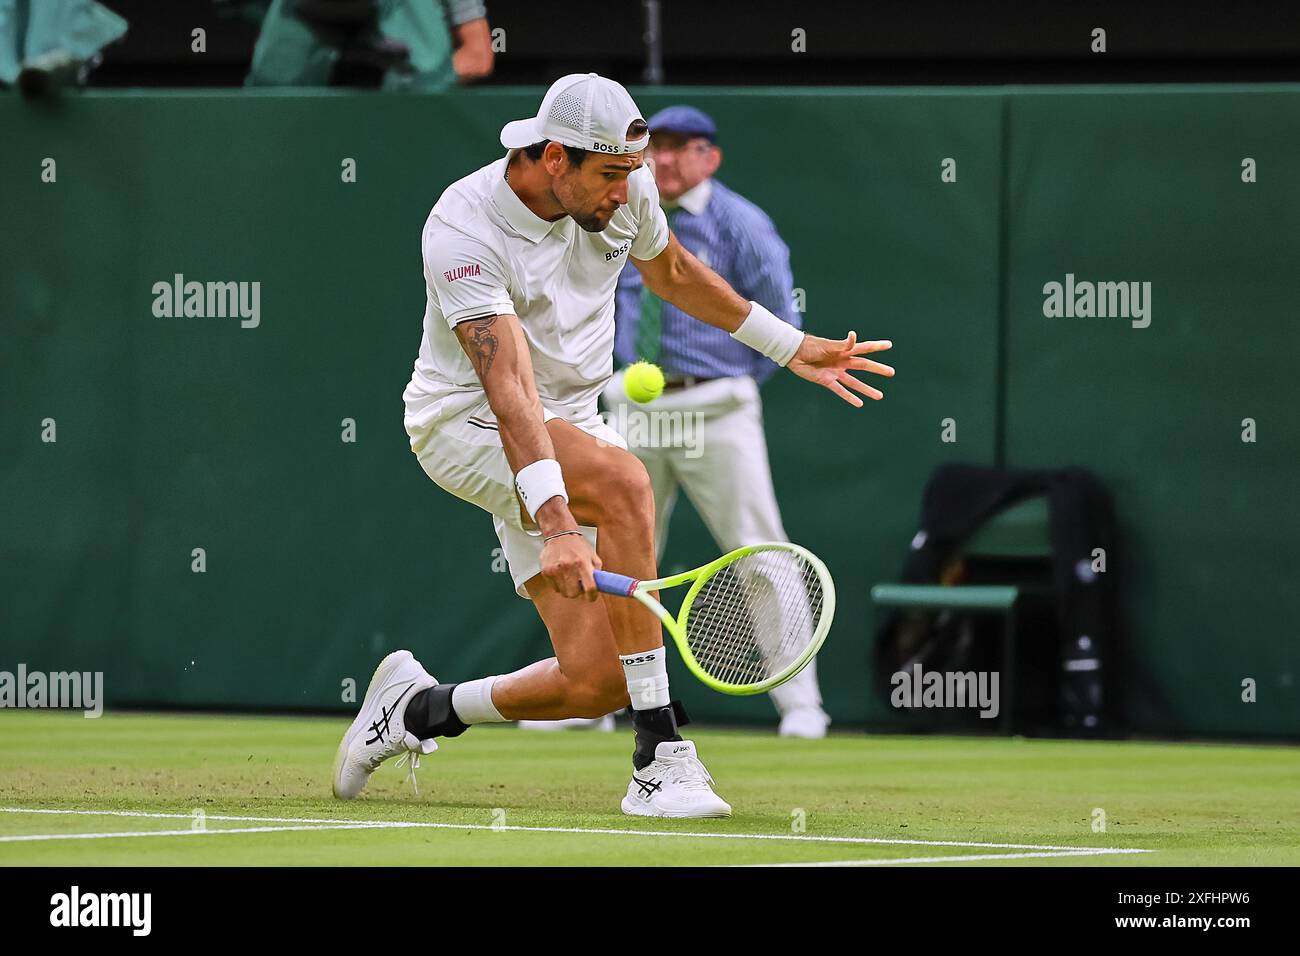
(767, 333)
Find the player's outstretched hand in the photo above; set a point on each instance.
(828, 361)
(568, 562)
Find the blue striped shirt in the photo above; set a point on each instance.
(738, 241)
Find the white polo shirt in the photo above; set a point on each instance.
(486, 253)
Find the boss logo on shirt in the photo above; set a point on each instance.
(460, 272)
(619, 251)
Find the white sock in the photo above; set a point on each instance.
(472, 702)
(647, 678)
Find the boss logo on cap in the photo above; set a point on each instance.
(605, 148)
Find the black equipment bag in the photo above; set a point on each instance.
(958, 499)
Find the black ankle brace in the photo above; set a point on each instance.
(653, 727)
(430, 714)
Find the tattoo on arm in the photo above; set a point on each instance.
(481, 343)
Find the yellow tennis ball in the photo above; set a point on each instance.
(643, 382)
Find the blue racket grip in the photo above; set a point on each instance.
(610, 583)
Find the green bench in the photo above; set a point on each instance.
(1020, 531)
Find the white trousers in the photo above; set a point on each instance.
(708, 441)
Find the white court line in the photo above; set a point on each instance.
(189, 816)
(954, 859)
(334, 824)
(30, 837)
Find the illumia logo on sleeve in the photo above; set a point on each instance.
(1103, 300)
(75, 908)
(209, 300)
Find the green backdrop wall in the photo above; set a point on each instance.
(183, 433)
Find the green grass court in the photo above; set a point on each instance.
(500, 796)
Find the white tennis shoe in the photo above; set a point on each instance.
(379, 731)
(674, 784)
(809, 723)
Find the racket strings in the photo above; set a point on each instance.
(752, 619)
(746, 635)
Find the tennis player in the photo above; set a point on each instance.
(521, 260)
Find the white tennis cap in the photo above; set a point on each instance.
(583, 110)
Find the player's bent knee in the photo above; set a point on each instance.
(631, 497)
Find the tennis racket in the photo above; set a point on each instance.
(750, 620)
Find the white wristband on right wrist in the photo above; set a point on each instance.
(767, 333)
(538, 483)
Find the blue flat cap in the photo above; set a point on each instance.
(683, 119)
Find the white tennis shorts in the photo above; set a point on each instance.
(463, 455)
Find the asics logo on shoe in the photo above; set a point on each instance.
(387, 715)
(648, 787)
(681, 750)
